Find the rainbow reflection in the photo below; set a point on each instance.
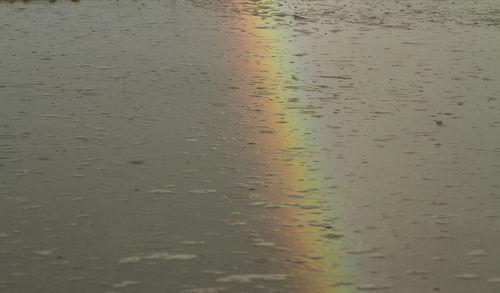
(260, 51)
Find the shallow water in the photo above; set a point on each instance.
(260, 146)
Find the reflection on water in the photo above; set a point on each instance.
(249, 146)
(296, 192)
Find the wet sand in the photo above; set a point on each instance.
(260, 146)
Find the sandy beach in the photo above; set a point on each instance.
(250, 146)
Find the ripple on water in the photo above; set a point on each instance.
(205, 290)
(468, 277)
(157, 256)
(125, 284)
(247, 278)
